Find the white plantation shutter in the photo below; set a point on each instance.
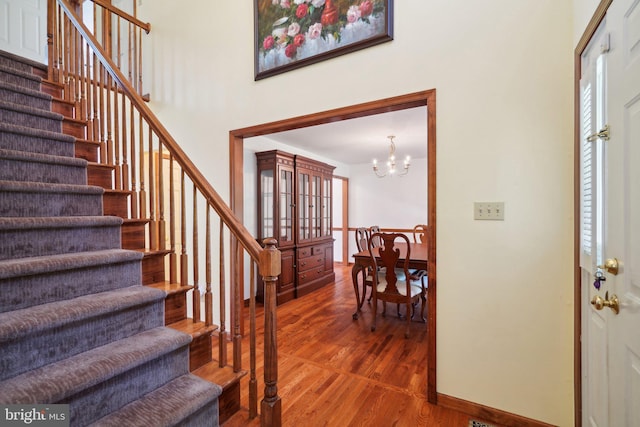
(587, 175)
(592, 152)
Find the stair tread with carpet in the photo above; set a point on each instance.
(37, 199)
(107, 378)
(178, 398)
(111, 315)
(25, 282)
(59, 380)
(36, 167)
(18, 95)
(34, 117)
(17, 137)
(40, 236)
(20, 77)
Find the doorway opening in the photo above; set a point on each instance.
(425, 98)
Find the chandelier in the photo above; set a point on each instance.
(391, 163)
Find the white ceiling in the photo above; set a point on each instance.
(360, 140)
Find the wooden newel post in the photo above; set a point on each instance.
(270, 266)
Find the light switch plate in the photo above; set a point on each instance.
(488, 211)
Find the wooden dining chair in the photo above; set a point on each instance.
(372, 230)
(362, 239)
(387, 285)
(420, 233)
(362, 243)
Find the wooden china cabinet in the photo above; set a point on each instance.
(294, 207)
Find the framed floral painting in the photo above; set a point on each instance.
(293, 33)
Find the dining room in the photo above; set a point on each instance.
(361, 196)
(363, 193)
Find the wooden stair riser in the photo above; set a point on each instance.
(116, 203)
(200, 351)
(133, 235)
(175, 307)
(100, 175)
(74, 127)
(229, 401)
(153, 269)
(87, 150)
(40, 72)
(63, 107)
(54, 89)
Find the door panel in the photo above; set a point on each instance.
(622, 204)
(596, 380)
(23, 28)
(594, 323)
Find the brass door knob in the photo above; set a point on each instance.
(599, 303)
(611, 265)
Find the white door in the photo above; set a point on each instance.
(23, 28)
(611, 340)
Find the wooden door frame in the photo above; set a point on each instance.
(425, 98)
(587, 35)
(344, 217)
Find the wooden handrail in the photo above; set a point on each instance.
(237, 228)
(124, 15)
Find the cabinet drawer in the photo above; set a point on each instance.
(308, 251)
(310, 275)
(308, 263)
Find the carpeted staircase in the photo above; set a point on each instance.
(76, 325)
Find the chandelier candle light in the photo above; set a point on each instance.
(391, 162)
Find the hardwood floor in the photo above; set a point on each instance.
(333, 371)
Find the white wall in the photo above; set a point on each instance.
(398, 202)
(503, 74)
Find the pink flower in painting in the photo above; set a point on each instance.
(291, 50)
(293, 29)
(268, 42)
(302, 10)
(298, 40)
(366, 8)
(353, 14)
(285, 4)
(314, 31)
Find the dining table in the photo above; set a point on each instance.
(418, 253)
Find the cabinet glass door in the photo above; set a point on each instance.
(326, 206)
(316, 207)
(304, 202)
(266, 186)
(286, 206)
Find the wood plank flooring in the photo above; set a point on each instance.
(333, 371)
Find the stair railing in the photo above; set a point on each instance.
(167, 190)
